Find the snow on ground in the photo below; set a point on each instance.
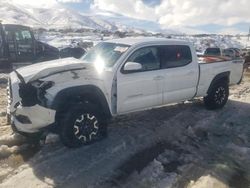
(207, 181)
(181, 145)
(61, 40)
(11, 139)
(203, 42)
(243, 40)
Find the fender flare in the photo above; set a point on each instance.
(89, 92)
(222, 76)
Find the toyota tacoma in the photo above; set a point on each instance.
(76, 98)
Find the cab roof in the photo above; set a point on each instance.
(138, 40)
(14, 26)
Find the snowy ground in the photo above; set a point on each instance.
(182, 145)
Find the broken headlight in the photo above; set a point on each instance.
(33, 93)
(28, 94)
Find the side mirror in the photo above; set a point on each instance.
(132, 66)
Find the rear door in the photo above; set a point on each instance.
(142, 89)
(180, 71)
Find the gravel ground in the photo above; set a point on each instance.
(181, 145)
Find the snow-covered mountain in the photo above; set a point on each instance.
(54, 16)
(10, 13)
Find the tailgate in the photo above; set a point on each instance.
(236, 71)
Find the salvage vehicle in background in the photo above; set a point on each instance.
(18, 47)
(75, 52)
(77, 97)
(213, 51)
(246, 55)
(247, 59)
(233, 53)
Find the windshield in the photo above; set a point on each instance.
(106, 53)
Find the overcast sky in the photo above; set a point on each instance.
(214, 16)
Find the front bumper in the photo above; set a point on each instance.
(34, 118)
(39, 118)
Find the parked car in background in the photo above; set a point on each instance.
(76, 52)
(233, 53)
(18, 47)
(247, 59)
(213, 51)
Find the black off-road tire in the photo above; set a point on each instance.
(82, 124)
(217, 96)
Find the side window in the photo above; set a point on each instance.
(148, 57)
(23, 36)
(18, 36)
(175, 56)
(26, 35)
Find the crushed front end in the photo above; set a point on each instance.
(27, 105)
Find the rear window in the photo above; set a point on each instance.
(175, 56)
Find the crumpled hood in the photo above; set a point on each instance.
(40, 70)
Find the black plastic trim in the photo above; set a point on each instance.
(222, 76)
(88, 92)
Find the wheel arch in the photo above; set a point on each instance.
(222, 77)
(75, 94)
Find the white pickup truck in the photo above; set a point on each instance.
(76, 98)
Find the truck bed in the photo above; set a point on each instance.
(212, 59)
(210, 66)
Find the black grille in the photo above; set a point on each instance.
(9, 92)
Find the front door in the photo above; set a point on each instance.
(140, 89)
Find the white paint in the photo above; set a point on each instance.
(38, 115)
(136, 91)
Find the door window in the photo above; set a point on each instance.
(26, 35)
(23, 36)
(175, 56)
(147, 57)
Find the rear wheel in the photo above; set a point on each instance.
(82, 124)
(217, 97)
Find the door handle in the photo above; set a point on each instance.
(159, 78)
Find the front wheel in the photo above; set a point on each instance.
(217, 97)
(82, 124)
